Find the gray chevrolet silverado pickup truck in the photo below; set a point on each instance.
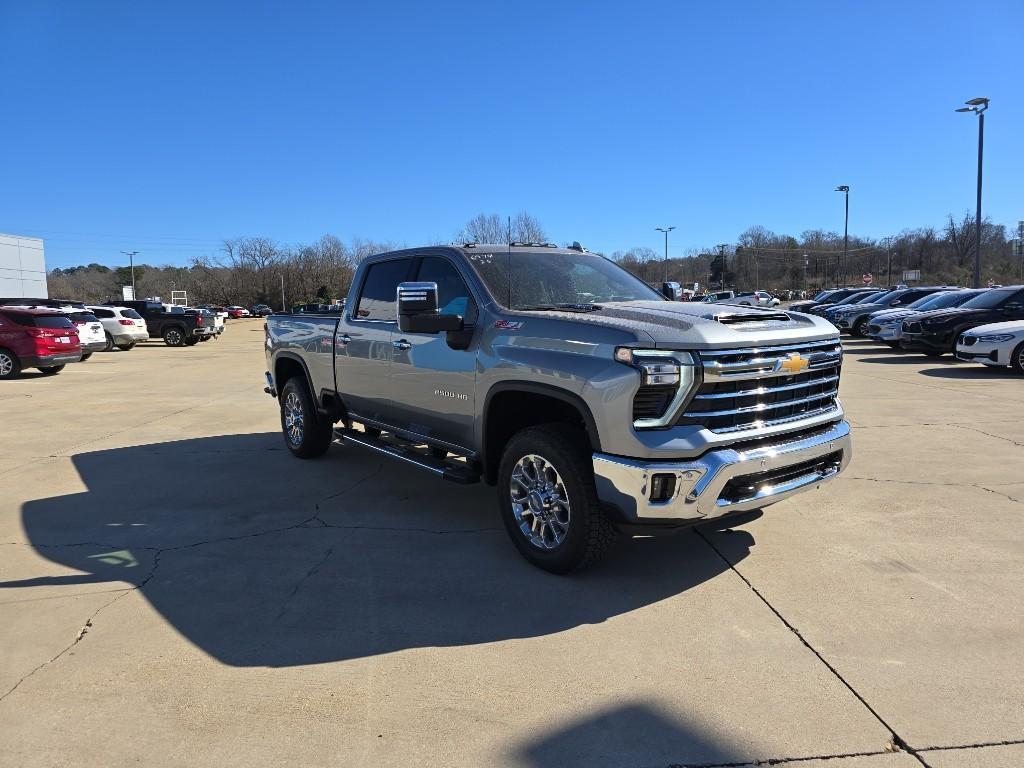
(596, 405)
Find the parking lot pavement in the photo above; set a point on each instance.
(175, 589)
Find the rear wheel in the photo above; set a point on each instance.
(174, 337)
(51, 370)
(1017, 358)
(548, 501)
(85, 356)
(110, 342)
(126, 347)
(10, 366)
(306, 434)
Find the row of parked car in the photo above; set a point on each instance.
(984, 325)
(50, 333)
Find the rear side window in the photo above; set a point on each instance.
(131, 313)
(378, 298)
(103, 312)
(83, 317)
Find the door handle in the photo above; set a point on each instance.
(344, 339)
(401, 344)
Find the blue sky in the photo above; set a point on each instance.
(166, 127)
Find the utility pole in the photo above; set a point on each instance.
(806, 264)
(666, 230)
(841, 267)
(284, 307)
(131, 261)
(1020, 247)
(725, 265)
(978, 107)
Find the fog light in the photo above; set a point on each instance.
(663, 486)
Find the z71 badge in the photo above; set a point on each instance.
(508, 325)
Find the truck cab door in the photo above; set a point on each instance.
(433, 383)
(362, 342)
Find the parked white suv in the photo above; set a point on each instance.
(756, 299)
(90, 330)
(123, 327)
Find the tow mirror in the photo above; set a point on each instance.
(418, 310)
(671, 291)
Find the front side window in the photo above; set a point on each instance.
(378, 299)
(453, 297)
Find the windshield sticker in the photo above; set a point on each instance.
(508, 325)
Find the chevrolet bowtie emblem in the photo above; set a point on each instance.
(793, 363)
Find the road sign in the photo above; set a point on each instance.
(910, 275)
(127, 293)
(868, 278)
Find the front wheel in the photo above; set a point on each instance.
(52, 370)
(548, 501)
(85, 356)
(861, 329)
(126, 347)
(109, 342)
(306, 434)
(1017, 358)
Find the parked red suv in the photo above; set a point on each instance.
(36, 338)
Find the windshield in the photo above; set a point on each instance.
(867, 298)
(989, 299)
(940, 300)
(880, 298)
(535, 279)
(823, 295)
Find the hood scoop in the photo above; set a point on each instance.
(758, 320)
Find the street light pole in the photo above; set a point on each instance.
(666, 230)
(131, 261)
(725, 272)
(978, 106)
(845, 189)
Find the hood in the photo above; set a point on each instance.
(702, 326)
(1008, 326)
(950, 313)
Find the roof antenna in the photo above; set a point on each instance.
(508, 240)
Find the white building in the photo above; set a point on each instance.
(22, 267)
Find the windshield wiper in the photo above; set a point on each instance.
(559, 307)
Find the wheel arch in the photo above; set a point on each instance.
(504, 413)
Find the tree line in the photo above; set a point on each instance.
(258, 270)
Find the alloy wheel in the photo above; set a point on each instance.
(539, 502)
(293, 419)
(6, 364)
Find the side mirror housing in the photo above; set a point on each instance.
(418, 310)
(671, 291)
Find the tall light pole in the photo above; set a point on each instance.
(666, 230)
(131, 260)
(845, 189)
(721, 252)
(978, 107)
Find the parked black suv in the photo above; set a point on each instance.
(177, 329)
(935, 333)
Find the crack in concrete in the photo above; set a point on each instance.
(306, 577)
(897, 743)
(979, 745)
(989, 434)
(85, 628)
(783, 760)
(927, 482)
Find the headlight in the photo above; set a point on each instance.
(933, 321)
(996, 337)
(673, 369)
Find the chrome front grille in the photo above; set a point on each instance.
(746, 389)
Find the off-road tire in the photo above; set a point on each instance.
(174, 337)
(52, 370)
(316, 433)
(10, 365)
(590, 533)
(1017, 358)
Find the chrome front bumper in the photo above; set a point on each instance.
(704, 488)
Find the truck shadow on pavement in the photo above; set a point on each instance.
(263, 560)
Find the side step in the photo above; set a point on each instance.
(456, 472)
